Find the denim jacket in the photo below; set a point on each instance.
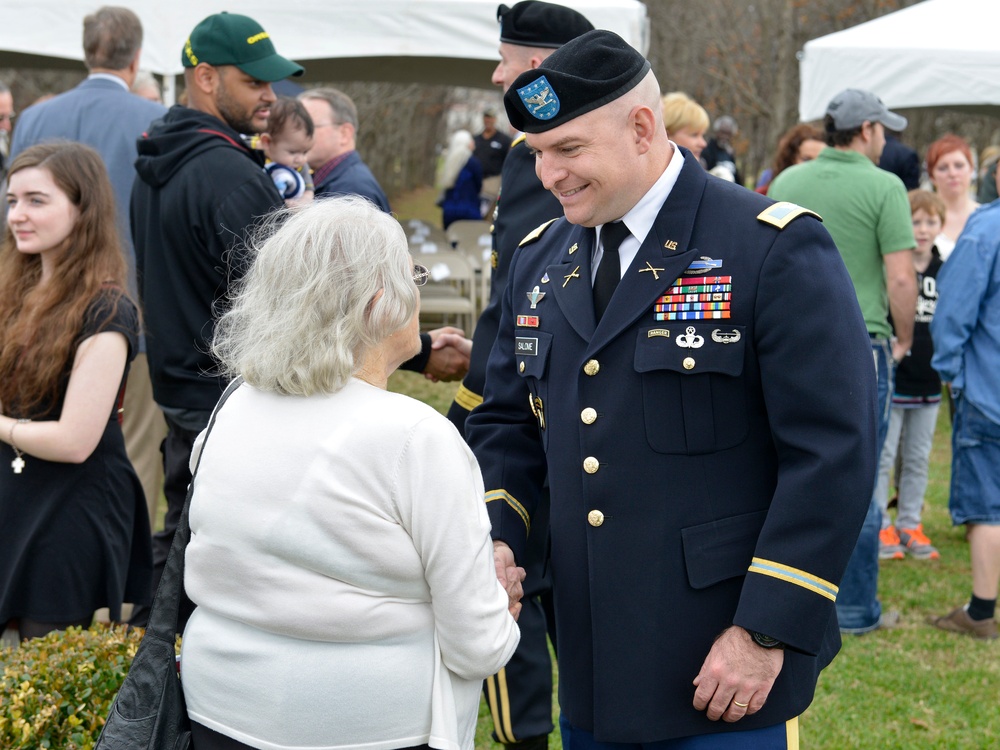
(966, 325)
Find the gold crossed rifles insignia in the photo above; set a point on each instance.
(571, 275)
(649, 268)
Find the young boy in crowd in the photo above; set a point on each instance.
(288, 139)
(915, 399)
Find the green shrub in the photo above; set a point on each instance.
(56, 691)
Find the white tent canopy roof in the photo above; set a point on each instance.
(439, 41)
(937, 53)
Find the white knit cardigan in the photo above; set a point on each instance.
(342, 566)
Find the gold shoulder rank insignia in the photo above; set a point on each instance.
(519, 139)
(535, 233)
(782, 214)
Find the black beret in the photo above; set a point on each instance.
(535, 24)
(582, 75)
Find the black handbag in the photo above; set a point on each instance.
(149, 712)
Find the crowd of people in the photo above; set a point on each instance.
(677, 484)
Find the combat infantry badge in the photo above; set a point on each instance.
(703, 265)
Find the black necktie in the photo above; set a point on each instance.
(609, 272)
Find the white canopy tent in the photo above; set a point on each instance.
(433, 41)
(937, 53)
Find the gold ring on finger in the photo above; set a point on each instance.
(741, 705)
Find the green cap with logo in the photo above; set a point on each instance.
(232, 39)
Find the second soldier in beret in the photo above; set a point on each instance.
(664, 358)
(520, 697)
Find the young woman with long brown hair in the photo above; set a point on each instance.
(74, 534)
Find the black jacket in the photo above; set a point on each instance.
(199, 190)
(902, 161)
(914, 375)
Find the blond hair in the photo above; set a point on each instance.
(680, 111)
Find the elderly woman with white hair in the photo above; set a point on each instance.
(340, 556)
(461, 180)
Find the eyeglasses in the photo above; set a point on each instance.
(327, 125)
(420, 275)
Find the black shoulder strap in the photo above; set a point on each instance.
(164, 610)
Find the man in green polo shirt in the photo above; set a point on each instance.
(867, 213)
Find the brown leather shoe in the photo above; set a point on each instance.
(958, 621)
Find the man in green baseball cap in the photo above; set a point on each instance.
(229, 63)
(199, 190)
(232, 39)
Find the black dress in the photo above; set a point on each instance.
(75, 537)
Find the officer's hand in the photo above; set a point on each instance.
(509, 575)
(450, 352)
(736, 670)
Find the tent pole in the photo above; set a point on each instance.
(169, 90)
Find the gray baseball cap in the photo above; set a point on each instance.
(852, 107)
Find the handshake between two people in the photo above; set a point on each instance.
(510, 576)
(450, 353)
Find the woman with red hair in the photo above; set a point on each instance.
(949, 166)
(74, 533)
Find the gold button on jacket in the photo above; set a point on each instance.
(588, 415)
(689, 363)
(592, 367)
(595, 518)
(591, 465)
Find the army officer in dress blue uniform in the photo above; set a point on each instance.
(704, 410)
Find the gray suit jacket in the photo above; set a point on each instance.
(105, 116)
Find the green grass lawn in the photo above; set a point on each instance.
(418, 204)
(913, 687)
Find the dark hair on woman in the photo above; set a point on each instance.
(288, 112)
(42, 323)
(791, 142)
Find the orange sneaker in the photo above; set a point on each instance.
(889, 545)
(917, 544)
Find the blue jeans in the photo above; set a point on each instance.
(975, 456)
(858, 607)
